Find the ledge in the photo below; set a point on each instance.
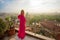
(37, 35)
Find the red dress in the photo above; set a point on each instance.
(21, 31)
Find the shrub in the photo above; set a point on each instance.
(3, 27)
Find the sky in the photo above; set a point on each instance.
(35, 6)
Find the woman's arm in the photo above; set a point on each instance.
(18, 16)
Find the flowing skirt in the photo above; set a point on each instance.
(21, 31)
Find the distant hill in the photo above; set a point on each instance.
(4, 15)
(1, 14)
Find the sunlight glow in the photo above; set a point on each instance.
(30, 5)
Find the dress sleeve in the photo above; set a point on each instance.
(18, 16)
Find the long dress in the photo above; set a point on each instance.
(21, 31)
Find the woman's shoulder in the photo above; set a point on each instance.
(18, 16)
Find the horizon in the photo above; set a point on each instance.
(33, 12)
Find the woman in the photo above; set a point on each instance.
(21, 32)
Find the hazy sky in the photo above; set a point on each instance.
(30, 5)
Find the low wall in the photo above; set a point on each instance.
(37, 35)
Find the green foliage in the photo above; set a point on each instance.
(13, 18)
(9, 21)
(43, 17)
(3, 27)
(34, 19)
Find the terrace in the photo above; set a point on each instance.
(29, 36)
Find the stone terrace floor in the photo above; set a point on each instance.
(14, 37)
